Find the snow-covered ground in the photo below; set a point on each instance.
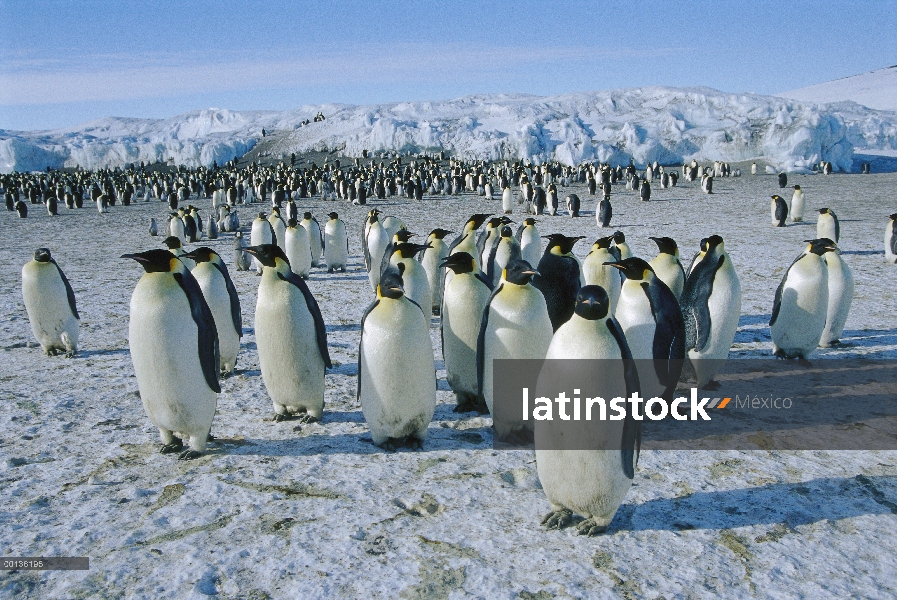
(279, 511)
(875, 89)
(669, 125)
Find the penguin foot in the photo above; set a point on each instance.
(210, 437)
(330, 270)
(472, 404)
(71, 353)
(712, 385)
(306, 418)
(559, 519)
(189, 455)
(590, 528)
(284, 417)
(176, 445)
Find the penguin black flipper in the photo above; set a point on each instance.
(691, 265)
(360, 343)
(69, 292)
(481, 242)
(777, 301)
(631, 444)
(837, 227)
(893, 240)
(615, 252)
(490, 264)
(695, 310)
(273, 235)
(519, 233)
(314, 309)
(669, 340)
(488, 283)
(320, 232)
(207, 341)
(235, 314)
(481, 341)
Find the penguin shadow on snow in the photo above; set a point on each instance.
(854, 338)
(788, 504)
(864, 252)
(95, 353)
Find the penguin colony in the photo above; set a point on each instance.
(498, 293)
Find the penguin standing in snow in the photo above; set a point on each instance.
(666, 264)
(336, 244)
(291, 338)
(505, 249)
(242, 260)
(507, 201)
(217, 288)
(21, 209)
(779, 209)
(278, 227)
(840, 297)
(415, 285)
(800, 306)
(434, 252)
(797, 205)
(530, 241)
(891, 239)
(175, 227)
(376, 243)
(297, 249)
(783, 180)
(711, 308)
(559, 278)
(175, 247)
(463, 301)
(174, 348)
(596, 271)
(573, 205)
(50, 304)
(827, 226)
(396, 368)
(621, 246)
(604, 213)
(260, 234)
(153, 228)
(589, 482)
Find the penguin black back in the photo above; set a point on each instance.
(559, 278)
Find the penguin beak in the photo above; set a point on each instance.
(615, 264)
(141, 259)
(531, 272)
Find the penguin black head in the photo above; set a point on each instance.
(333, 215)
(407, 250)
(155, 261)
(478, 219)
(777, 197)
(529, 221)
(504, 220)
(42, 255)
(262, 215)
(203, 254)
(519, 272)
(709, 243)
(822, 211)
(391, 285)
(666, 245)
(820, 246)
(506, 232)
(563, 243)
(619, 237)
(893, 217)
(267, 254)
(293, 222)
(440, 233)
(603, 242)
(173, 242)
(633, 268)
(459, 262)
(403, 235)
(797, 187)
(592, 303)
(494, 222)
(306, 215)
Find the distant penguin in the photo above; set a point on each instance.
(291, 338)
(800, 306)
(573, 205)
(596, 271)
(153, 228)
(241, 259)
(753, 168)
(487, 237)
(50, 304)
(378, 240)
(396, 367)
(174, 246)
(604, 213)
(827, 226)
(176, 228)
(392, 225)
(315, 238)
(463, 301)
(103, 204)
(707, 183)
(515, 325)
(217, 288)
(530, 241)
(261, 234)
(779, 211)
(891, 239)
(22, 209)
(505, 249)
(645, 191)
(783, 180)
(651, 320)
(666, 264)
(297, 249)
(590, 482)
(559, 277)
(507, 201)
(415, 284)
(174, 348)
(431, 256)
(797, 205)
(336, 244)
(278, 227)
(840, 297)
(213, 229)
(191, 231)
(711, 307)
(52, 206)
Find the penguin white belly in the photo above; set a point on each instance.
(176, 228)
(462, 312)
(314, 241)
(825, 228)
(724, 306)
(417, 288)
(297, 250)
(802, 312)
(840, 297)
(162, 337)
(377, 243)
(398, 372)
(797, 207)
(503, 255)
(46, 302)
(336, 254)
(291, 363)
(430, 263)
(214, 290)
(259, 234)
(279, 229)
(595, 272)
(507, 201)
(531, 246)
(636, 320)
(669, 271)
(889, 236)
(772, 211)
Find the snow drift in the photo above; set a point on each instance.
(668, 125)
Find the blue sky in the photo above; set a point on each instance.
(65, 62)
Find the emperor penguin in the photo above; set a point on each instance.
(589, 482)
(50, 304)
(779, 210)
(597, 271)
(515, 324)
(800, 306)
(468, 236)
(434, 252)
(840, 297)
(530, 241)
(176, 228)
(278, 227)
(290, 337)
(392, 225)
(505, 249)
(507, 201)
(175, 247)
(102, 204)
(667, 266)
(604, 213)
(174, 348)
(488, 236)
(220, 294)
(260, 234)
(573, 205)
(797, 205)
(336, 244)
(711, 307)
(378, 239)
(891, 239)
(153, 228)
(828, 226)
(297, 249)
(315, 238)
(463, 301)
(783, 180)
(241, 258)
(651, 320)
(559, 277)
(21, 209)
(415, 284)
(396, 367)
(213, 229)
(52, 206)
